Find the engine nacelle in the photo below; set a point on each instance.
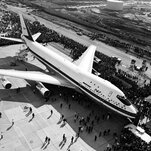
(6, 84)
(43, 90)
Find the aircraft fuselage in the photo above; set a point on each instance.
(97, 88)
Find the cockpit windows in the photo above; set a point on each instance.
(124, 100)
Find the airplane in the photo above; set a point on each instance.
(76, 75)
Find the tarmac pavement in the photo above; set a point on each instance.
(27, 134)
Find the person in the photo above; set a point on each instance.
(69, 106)
(30, 109)
(34, 91)
(100, 134)
(33, 115)
(95, 138)
(46, 99)
(64, 121)
(75, 118)
(79, 129)
(1, 136)
(62, 117)
(63, 137)
(25, 107)
(107, 147)
(77, 135)
(108, 131)
(72, 138)
(108, 116)
(51, 112)
(12, 122)
(34, 57)
(61, 105)
(46, 143)
(104, 133)
(46, 139)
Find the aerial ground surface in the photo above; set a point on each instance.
(25, 135)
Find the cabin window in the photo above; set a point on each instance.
(124, 100)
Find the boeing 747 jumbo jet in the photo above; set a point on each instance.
(76, 75)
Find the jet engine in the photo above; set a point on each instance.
(5, 83)
(43, 90)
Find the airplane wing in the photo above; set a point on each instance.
(37, 76)
(35, 37)
(85, 62)
(12, 39)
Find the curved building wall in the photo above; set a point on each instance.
(114, 5)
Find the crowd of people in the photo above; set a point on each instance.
(48, 35)
(139, 51)
(106, 68)
(129, 142)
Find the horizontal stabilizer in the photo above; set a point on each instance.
(36, 76)
(12, 39)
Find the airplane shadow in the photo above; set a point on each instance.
(13, 63)
(62, 125)
(34, 98)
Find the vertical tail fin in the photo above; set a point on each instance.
(25, 29)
